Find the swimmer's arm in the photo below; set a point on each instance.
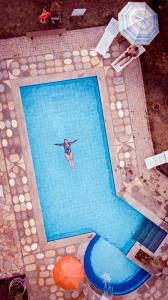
(59, 144)
(73, 141)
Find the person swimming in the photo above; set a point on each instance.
(67, 150)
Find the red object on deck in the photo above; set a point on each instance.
(44, 16)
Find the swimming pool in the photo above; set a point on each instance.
(109, 269)
(84, 200)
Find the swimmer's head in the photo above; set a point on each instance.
(66, 141)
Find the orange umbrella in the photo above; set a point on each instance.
(68, 273)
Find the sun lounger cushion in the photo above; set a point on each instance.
(112, 27)
(104, 43)
(119, 67)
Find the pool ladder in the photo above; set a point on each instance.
(149, 235)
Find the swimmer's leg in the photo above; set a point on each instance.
(70, 160)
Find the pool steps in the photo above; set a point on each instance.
(149, 235)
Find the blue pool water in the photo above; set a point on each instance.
(109, 269)
(84, 200)
(122, 270)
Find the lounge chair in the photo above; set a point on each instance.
(112, 27)
(156, 160)
(109, 34)
(118, 67)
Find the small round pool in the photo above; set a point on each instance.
(102, 260)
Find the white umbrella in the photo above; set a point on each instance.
(138, 23)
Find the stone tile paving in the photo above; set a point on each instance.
(10, 249)
(145, 190)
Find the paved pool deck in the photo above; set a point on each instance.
(23, 248)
